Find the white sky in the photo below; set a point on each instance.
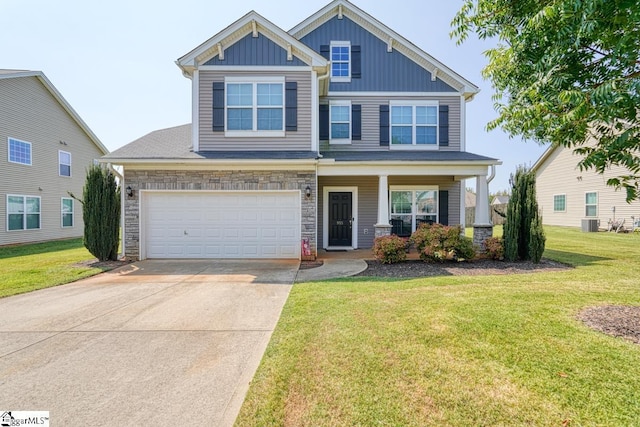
(113, 60)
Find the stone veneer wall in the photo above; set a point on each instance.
(231, 180)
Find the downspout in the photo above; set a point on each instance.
(121, 178)
(492, 175)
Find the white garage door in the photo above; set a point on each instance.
(222, 225)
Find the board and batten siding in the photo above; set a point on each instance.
(299, 140)
(559, 174)
(30, 113)
(371, 122)
(368, 200)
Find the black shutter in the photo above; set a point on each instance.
(325, 51)
(356, 68)
(291, 101)
(384, 125)
(356, 122)
(444, 125)
(218, 106)
(324, 122)
(443, 207)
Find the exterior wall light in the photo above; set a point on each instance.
(129, 191)
(307, 192)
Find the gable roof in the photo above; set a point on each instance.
(387, 35)
(543, 158)
(254, 23)
(13, 74)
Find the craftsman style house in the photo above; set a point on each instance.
(322, 137)
(45, 148)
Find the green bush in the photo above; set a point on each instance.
(437, 242)
(494, 247)
(390, 249)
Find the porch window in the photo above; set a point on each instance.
(591, 204)
(255, 108)
(414, 124)
(412, 207)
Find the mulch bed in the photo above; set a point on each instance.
(417, 268)
(306, 265)
(616, 320)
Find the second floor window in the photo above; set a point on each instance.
(340, 61)
(64, 161)
(255, 106)
(414, 125)
(340, 116)
(19, 152)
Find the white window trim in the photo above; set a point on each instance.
(565, 202)
(413, 189)
(24, 214)
(596, 204)
(340, 79)
(9, 139)
(60, 163)
(340, 141)
(73, 213)
(413, 104)
(255, 81)
(325, 215)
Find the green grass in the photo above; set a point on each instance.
(458, 350)
(26, 268)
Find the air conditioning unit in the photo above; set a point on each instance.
(589, 225)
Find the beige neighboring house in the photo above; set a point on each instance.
(45, 148)
(567, 196)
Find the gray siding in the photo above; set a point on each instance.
(559, 174)
(381, 70)
(30, 113)
(255, 51)
(371, 122)
(299, 140)
(368, 200)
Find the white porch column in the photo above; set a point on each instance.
(382, 227)
(482, 201)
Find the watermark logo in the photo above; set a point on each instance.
(24, 418)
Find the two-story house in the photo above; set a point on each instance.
(322, 137)
(45, 148)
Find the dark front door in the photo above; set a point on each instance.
(340, 219)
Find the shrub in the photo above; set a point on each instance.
(390, 249)
(536, 239)
(494, 247)
(437, 242)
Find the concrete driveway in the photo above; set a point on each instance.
(159, 343)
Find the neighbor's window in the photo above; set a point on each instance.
(64, 162)
(19, 152)
(340, 112)
(412, 207)
(591, 204)
(414, 125)
(23, 212)
(559, 202)
(67, 212)
(255, 106)
(340, 61)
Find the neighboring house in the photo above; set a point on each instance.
(567, 196)
(45, 148)
(500, 200)
(323, 137)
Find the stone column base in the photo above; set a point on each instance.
(383, 230)
(480, 234)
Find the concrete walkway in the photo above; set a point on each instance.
(336, 265)
(160, 343)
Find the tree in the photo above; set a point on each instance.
(101, 213)
(565, 72)
(523, 233)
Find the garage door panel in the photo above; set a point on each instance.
(222, 225)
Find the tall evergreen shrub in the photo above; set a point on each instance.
(523, 233)
(101, 211)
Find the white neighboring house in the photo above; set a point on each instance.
(567, 196)
(45, 148)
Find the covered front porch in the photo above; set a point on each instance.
(358, 201)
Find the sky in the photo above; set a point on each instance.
(114, 61)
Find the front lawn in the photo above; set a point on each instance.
(26, 268)
(458, 350)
